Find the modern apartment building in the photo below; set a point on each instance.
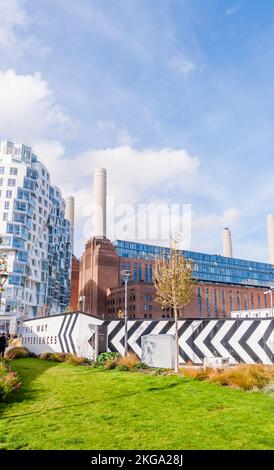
(36, 236)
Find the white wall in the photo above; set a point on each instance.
(68, 333)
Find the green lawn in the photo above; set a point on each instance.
(61, 406)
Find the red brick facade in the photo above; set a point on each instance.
(99, 269)
(99, 283)
(74, 285)
(221, 300)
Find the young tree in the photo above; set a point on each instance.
(174, 286)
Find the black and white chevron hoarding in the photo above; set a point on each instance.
(242, 341)
(70, 333)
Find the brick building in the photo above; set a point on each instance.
(223, 284)
(74, 300)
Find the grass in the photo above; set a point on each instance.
(61, 406)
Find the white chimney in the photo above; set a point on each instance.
(270, 235)
(227, 243)
(69, 215)
(100, 201)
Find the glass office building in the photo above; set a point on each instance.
(36, 237)
(206, 268)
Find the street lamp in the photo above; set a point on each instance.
(3, 278)
(270, 291)
(126, 275)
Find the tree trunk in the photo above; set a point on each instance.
(176, 341)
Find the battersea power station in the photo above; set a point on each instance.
(224, 284)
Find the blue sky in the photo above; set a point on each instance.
(85, 80)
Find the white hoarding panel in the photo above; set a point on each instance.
(70, 333)
(158, 350)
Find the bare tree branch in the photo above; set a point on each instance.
(174, 285)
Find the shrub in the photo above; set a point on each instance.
(15, 342)
(77, 361)
(18, 352)
(64, 357)
(141, 366)
(45, 356)
(54, 356)
(111, 363)
(105, 357)
(128, 362)
(158, 371)
(9, 380)
(59, 357)
(247, 377)
(197, 373)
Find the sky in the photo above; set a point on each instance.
(173, 97)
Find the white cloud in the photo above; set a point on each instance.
(232, 10)
(131, 171)
(29, 109)
(212, 221)
(134, 176)
(125, 138)
(15, 39)
(182, 65)
(12, 16)
(207, 229)
(49, 151)
(119, 134)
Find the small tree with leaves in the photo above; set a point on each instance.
(174, 286)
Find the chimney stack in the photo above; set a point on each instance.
(227, 243)
(100, 201)
(69, 215)
(270, 235)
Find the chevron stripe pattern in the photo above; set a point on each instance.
(242, 341)
(65, 334)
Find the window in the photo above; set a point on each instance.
(259, 301)
(215, 303)
(223, 302)
(207, 303)
(199, 302)
(13, 171)
(5, 216)
(1, 181)
(252, 300)
(147, 298)
(2, 169)
(11, 182)
(9, 193)
(231, 300)
(7, 205)
(245, 300)
(238, 300)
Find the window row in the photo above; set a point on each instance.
(13, 170)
